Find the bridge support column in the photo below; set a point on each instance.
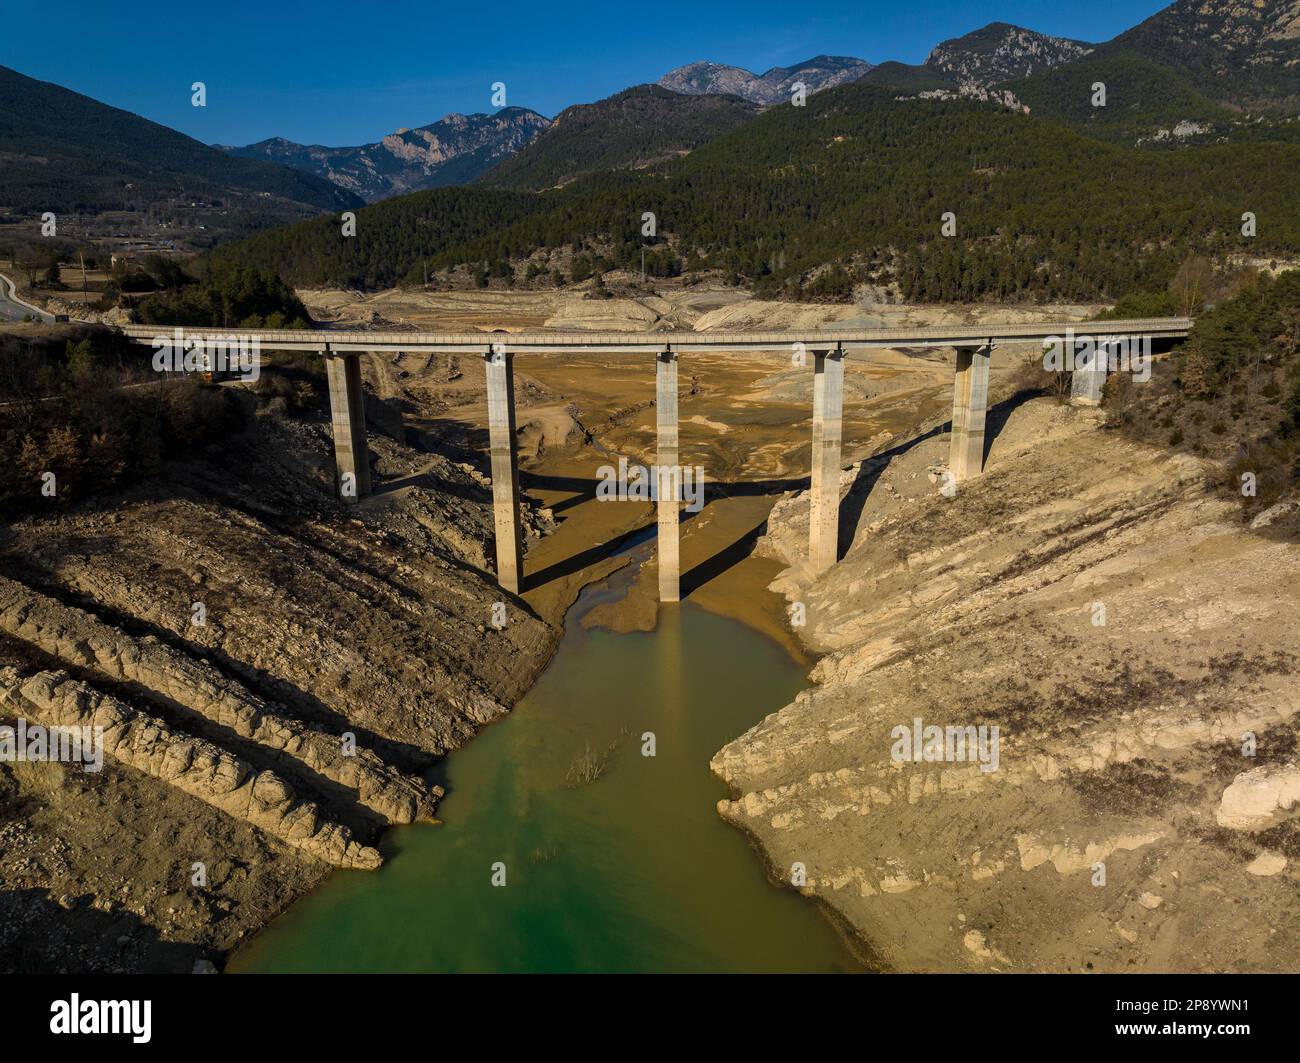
(827, 433)
(669, 478)
(969, 405)
(505, 469)
(348, 420)
(1090, 377)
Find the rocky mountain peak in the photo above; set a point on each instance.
(453, 150)
(1265, 31)
(1246, 52)
(1002, 52)
(706, 78)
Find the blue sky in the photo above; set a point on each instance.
(347, 73)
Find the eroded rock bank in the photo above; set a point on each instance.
(1134, 644)
(275, 676)
(192, 765)
(198, 691)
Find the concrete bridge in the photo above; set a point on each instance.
(342, 350)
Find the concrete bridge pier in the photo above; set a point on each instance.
(669, 478)
(348, 421)
(827, 434)
(1090, 377)
(500, 370)
(970, 399)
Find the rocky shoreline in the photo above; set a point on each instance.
(373, 622)
(1123, 630)
(339, 655)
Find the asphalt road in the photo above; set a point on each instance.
(12, 311)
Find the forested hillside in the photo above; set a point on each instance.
(1233, 389)
(641, 125)
(66, 152)
(907, 77)
(859, 179)
(395, 239)
(1141, 96)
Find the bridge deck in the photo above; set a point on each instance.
(361, 340)
(974, 343)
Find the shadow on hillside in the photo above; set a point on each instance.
(585, 489)
(998, 415)
(39, 936)
(869, 472)
(712, 567)
(577, 562)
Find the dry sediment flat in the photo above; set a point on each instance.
(745, 419)
(675, 305)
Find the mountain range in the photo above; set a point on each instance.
(1057, 196)
(774, 86)
(692, 104)
(1183, 72)
(806, 203)
(687, 107)
(65, 152)
(451, 151)
(1198, 72)
(639, 126)
(998, 52)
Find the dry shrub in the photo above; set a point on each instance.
(588, 766)
(1031, 376)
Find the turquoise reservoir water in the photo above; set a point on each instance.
(632, 872)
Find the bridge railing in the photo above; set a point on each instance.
(343, 349)
(362, 341)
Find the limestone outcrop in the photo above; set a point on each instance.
(1132, 642)
(1260, 798)
(82, 640)
(190, 764)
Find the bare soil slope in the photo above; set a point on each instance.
(230, 742)
(1113, 617)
